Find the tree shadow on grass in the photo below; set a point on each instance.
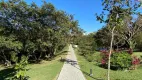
(6, 73)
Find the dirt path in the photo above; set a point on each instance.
(70, 70)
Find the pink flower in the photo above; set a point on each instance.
(103, 61)
(135, 61)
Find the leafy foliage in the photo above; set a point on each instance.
(121, 60)
(90, 57)
(21, 69)
(135, 62)
(120, 15)
(138, 40)
(38, 32)
(87, 44)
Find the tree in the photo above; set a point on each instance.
(117, 10)
(138, 40)
(87, 45)
(37, 32)
(129, 30)
(102, 37)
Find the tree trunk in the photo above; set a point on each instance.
(4, 56)
(52, 52)
(34, 56)
(39, 58)
(55, 51)
(110, 51)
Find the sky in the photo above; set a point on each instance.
(83, 11)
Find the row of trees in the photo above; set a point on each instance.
(87, 44)
(37, 32)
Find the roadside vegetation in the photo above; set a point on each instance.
(45, 70)
(31, 34)
(116, 42)
(34, 38)
(101, 73)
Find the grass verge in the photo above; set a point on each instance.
(46, 70)
(138, 54)
(101, 73)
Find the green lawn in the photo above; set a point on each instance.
(46, 70)
(101, 73)
(138, 54)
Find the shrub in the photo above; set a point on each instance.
(135, 62)
(130, 51)
(14, 58)
(90, 57)
(121, 60)
(104, 57)
(97, 57)
(21, 69)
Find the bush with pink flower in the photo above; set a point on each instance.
(119, 59)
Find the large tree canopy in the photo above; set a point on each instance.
(125, 16)
(38, 32)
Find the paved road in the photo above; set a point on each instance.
(70, 70)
